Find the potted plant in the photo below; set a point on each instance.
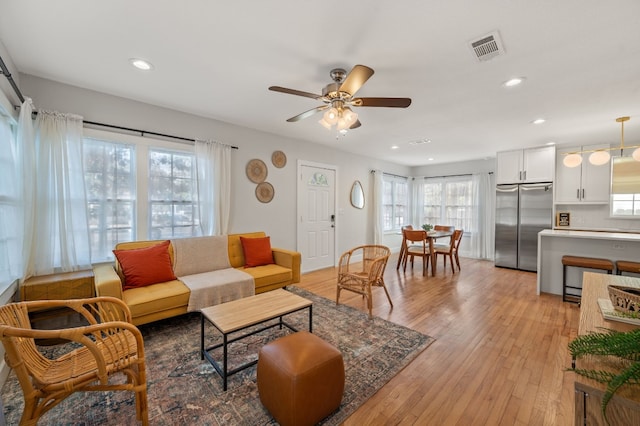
(427, 227)
(618, 355)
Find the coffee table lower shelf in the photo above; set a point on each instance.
(218, 316)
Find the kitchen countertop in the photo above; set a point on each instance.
(598, 235)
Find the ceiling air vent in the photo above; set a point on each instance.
(487, 47)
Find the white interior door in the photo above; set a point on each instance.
(316, 216)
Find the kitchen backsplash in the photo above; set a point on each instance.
(596, 217)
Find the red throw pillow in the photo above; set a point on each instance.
(257, 251)
(145, 266)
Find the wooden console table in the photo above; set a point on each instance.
(624, 407)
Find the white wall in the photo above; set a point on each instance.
(277, 218)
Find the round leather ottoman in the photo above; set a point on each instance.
(300, 378)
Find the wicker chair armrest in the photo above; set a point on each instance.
(94, 309)
(99, 339)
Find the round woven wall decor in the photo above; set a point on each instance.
(279, 159)
(264, 192)
(256, 170)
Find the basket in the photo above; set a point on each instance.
(625, 299)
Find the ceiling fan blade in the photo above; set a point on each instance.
(356, 125)
(382, 102)
(355, 79)
(295, 92)
(307, 113)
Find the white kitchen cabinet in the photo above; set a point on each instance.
(526, 165)
(583, 184)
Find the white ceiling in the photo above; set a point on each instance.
(581, 60)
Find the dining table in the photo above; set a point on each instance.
(429, 235)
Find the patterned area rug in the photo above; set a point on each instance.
(182, 389)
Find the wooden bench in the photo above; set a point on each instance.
(581, 262)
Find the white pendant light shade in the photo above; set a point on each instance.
(572, 160)
(331, 116)
(349, 116)
(636, 154)
(325, 124)
(342, 124)
(599, 158)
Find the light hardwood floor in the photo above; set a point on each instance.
(499, 355)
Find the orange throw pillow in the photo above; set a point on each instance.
(145, 266)
(257, 251)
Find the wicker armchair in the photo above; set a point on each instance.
(108, 344)
(366, 271)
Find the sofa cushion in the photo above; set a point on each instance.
(156, 298)
(257, 251)
(200, 254)
(145, 266)
(236, 255)
(269, 274)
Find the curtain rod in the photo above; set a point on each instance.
(5, 71)
(446, 176)
(145, 132)
(391, 174)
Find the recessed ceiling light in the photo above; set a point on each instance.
(395, 147)
(539, 121)
(550, 143)
(513, 82)
(141, 64)
(430, 159)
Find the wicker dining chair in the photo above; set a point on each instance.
(108, 344)
(362, 268)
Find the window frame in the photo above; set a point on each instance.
(142, 146)
(395, 180)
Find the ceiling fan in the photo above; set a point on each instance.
(338, 98)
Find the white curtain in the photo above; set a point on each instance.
(482, 236)
(60, 239)
(417, 198)
(213, 171)
(378, 218)
(26, 162)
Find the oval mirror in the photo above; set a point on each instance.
(357, 195)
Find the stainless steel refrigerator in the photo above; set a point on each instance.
(522, 210)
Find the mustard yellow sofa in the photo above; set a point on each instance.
(168, 299)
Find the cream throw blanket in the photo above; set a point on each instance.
(215, 287)
(202, 264)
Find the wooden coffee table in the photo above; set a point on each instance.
(238, 315)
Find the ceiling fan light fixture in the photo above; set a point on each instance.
(349, 116)
(342, 124)
(599, 158)
(572, 160)
(636, 154)
(324, 123)
(331, 116)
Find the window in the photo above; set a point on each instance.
(625, 187)
(110, 182)
(173, 208)
(395, 199)
(448, 201)
(137, 189)
(10, 224)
